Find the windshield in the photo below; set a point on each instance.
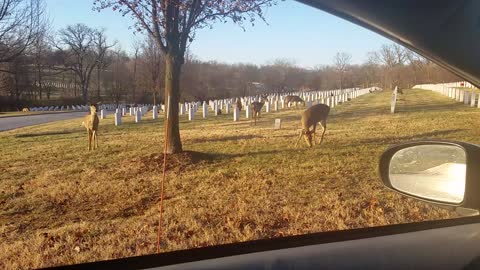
(130, 135)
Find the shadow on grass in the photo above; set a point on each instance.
(29, 135)
(393, 139)
(225, 139)
(225, 156)
(363, 110)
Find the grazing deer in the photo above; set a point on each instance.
(294, 99)
(311, 117)
(257, 108)
(90, 122)
(238, 104)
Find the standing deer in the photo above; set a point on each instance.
(90, 122)
(257, 108)
(238, 104)
(311, 117)
(294, 99)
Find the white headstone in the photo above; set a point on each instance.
(138, 117)
(247, 112)
(155, 112)
(236, 114)
(275, 105)
(215, 108)
(124, 111)
(472, 99)
(191, 113)
(205, 110)
(267, 106)
(278, 123)
(466, 99)
(227, 108)
(309, 104)
(182, 109)
(394, 100)
(103, 114)
(118, 119)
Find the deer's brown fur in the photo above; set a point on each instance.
(310, 118)
(238, 104)
(293, 99)
(257, 108)
(90, 122)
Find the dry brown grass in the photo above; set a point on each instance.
(60, 204)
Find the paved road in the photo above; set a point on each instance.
(7, 123)
(443, 183)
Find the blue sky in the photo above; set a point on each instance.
(297, 32)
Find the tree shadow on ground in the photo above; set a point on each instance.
(402, 108)
(48, 133)
(223, 156)
(394, 139)
(225, 139)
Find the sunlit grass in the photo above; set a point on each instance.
(60, 204)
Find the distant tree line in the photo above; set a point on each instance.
(78, 64)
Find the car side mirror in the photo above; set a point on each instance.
(441, 172)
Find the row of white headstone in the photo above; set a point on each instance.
(56, 84)
(60, 108)
(275, 102)
(136, 112)
(84, 108)
(226, 105)
(470, 98)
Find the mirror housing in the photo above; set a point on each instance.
(471, 198)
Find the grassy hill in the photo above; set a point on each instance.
(60, 204)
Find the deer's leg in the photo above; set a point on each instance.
(313, 133)
(324, 125)
(299, 138)
(89, 132)
(308, 137)
(95, 140)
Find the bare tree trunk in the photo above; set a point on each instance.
(134, 78)
(98, 82)
(75, 84)
(85, 92)
(172, 90)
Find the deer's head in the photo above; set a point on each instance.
(93, 109)
(307, 134)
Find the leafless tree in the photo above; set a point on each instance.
(20, 22)
(85, 48)
(341, 62)
(101, 48)
(136, 50)
(172, 24)
(152, 57)
(119, 79)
